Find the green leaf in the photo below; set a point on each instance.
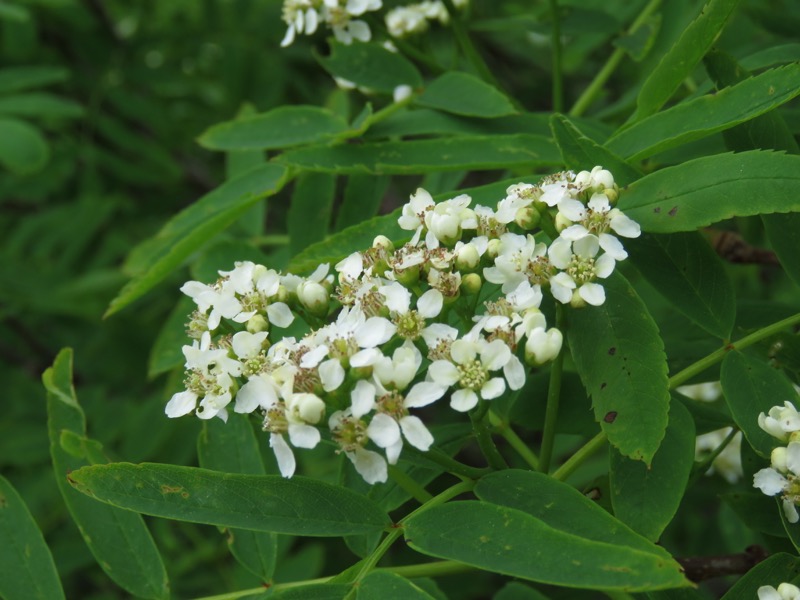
(757, 511)
(423, 121)
(713, 188)
(751, 387)
(647, 498)
(639, 42)
(312, 591)
(23, 149)
(709, 114)
(561, 507)
(363, 196)
(582, 153)
(512, 542)
(166, 353)
(154, 259)
(40, 104)
(297, 506)
(380, 585)
(464, 94)
(281, 127)
(620, 357)
(772, 571)
(15, 79)
(232, 448)
(310, 210)
(16, 14)
(678, 63)
(370, 65)
(425, 156)
(689, 274)
(118, 539)
(27, 570)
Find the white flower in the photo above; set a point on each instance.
(350, 432)
(580, 269)
(397, 372)
(558, 190)
(597, 218)
(405, 20)
(519, 259)
(771, 482)
(781, 422)
(785, 591)
(413, 213)
(301, 17)
(410, 324)
(543, 345)
(446, 220)
(221, 300)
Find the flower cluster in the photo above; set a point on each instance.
(304, 17)
(785, 591)
(413, 19)
(394, 329)
(783, 475)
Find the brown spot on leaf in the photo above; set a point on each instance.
(3, 501)
(612, 351)
(603, 385)
(610, 417)
(657, 209)
(176, 489)
(673, 211)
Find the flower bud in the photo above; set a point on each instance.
(612, 194)
(384, 242)
(408, 277)
(467, 258)
(528, 218)
(562, 222)
(778, 459)
(257, 323)
(282, 295)
(471, 283)
(308, 407)
(493, 249)
(543, 346)
(602, 179)
(314, 297)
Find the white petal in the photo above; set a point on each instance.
(604, 266)
(495, 355)
(767, 592)
(769, 481)
(283, 454)
(359, 30)
(370, 465)
(430, 303)
(314, 356)
(612, 246)
(331, 374)
(398, 298)
(303, 436)
(463, 400)
(790, 511)
(393, 451)
(374, 332)
(424, 393)
(587, 246)
(366, 357)
(514, 373)
(493, 388)
(280, 314)
(383, 430)
(181, 404)
(593, 293)
(248, 345)
(793, 457)
(256, 392)
(625, 226)
(560, 253)
(574, 210)
(288, 38)
(416, 433)
(362, 398)
(463, 351)
(443, 372)
(311, 21)
(574, 232)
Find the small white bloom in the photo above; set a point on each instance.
(580, 269)
(781, 422)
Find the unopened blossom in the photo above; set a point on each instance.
(785, 591)
(446, 220)
(543, 345)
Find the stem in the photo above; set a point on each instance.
(591, 92)
(558, 78)
(577, 459)
(434, 569)
(703, 466)
(483, 433)
(449, 464)
(553, 399)
(467, 47)
(401, 478)
(716, 356)
(516, 442)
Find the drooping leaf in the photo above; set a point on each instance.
(752, 387)
(582, 153)
(282, 127)
(155, 258)
(713, 188)
(512, 542)
(688, 273)
(118, 539)
(620, 358)
(464, 94)
(27, 570)
(380, 585)
(772, 571)
(297, 506)
(682, 58)
(647, 498)
(232, 448)
(708, 114)
(426, 156)
(23, 149)
(310, 211)
(370, 65)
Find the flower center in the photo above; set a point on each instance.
(350, 434)
(392, 405)
(409, 325)
(581, 269)
(472, 375)
(275, 419)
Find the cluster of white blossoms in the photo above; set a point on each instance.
(783, 475)
(413, 19)
(395, 329)
(785, 591)
(305, 16)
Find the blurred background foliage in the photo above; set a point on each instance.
(101, 104)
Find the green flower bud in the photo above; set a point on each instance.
(471, 283)
(257, 323)
(528, 218)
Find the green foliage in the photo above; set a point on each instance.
(464, 94)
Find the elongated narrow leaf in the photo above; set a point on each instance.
(688, 273)
(708, 114)
(582, 153)
(714, 188)
(380, 585)
(23, 149)
(773, 571)
(370, 65)
(281, 127)
(647, 498)
(512, 542)
(560, 506)
(232, 448)
(155, 258)
(423, 121)
(620, 358)
(464, 94)
(40, 104)
(427, 156)
(15, 79)
(310, 210)
(297, 506)
(118, 539)
(751, 387)
(682, 58)
(27, 570)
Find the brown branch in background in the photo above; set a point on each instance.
(701, 568)
(730, 246)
